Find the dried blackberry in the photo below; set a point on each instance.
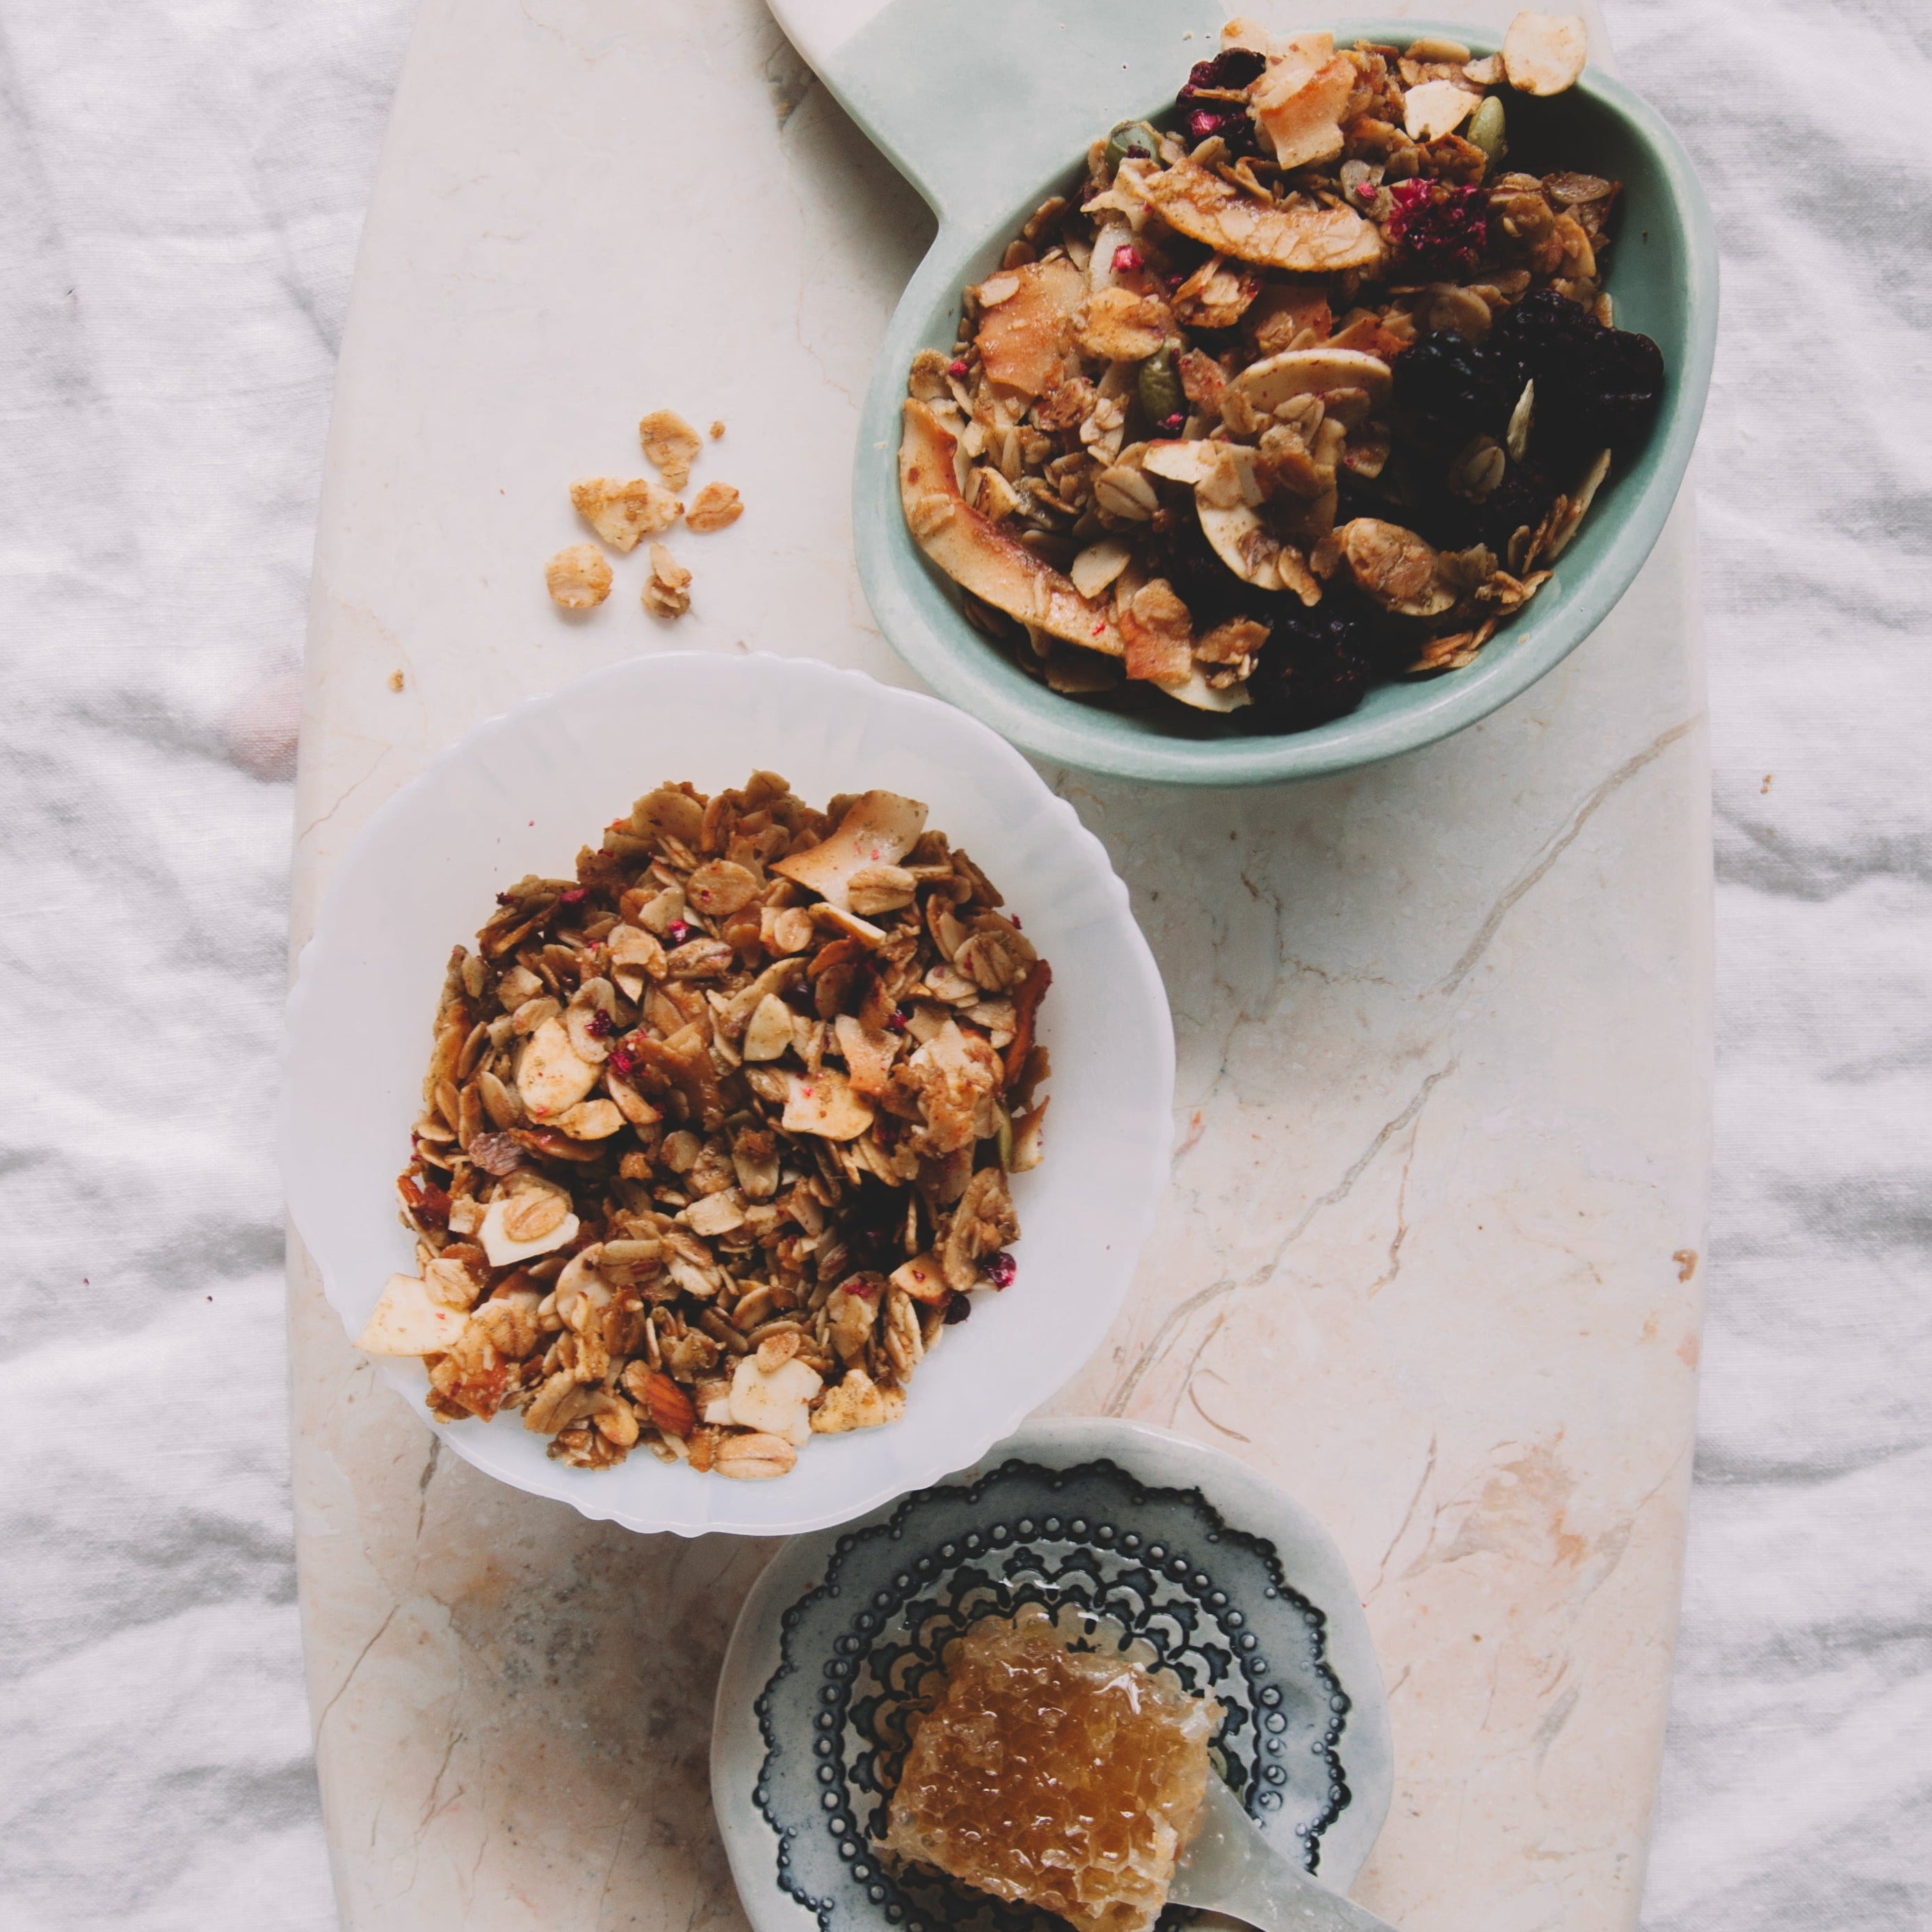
(1450, 387)
(1317, 665)
(1237, 67)
(1595, 387)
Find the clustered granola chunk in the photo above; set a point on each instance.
(715, 1136)
(1302, 388)
(625, 510)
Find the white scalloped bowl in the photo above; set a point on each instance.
(520, 794)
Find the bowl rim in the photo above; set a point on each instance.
(332, 948)
(962, 668)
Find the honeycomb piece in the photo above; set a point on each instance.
(1063, 1779)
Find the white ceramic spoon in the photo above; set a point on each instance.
(1230, 1867)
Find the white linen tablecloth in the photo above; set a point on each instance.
(184, 180)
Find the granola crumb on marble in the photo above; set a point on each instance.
(578, 577)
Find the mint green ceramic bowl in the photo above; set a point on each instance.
(989, 106)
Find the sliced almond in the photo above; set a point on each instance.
(1545, 53)
(713, 1214)
(824, 1103)
(924, 1279)
(1301, 238)
(1185, 462)
(590, 1120)
(1098, 564)
(1026, 334)
(1266, 386)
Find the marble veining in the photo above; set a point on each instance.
(1430, 1259)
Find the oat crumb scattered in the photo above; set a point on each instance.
(579, 577)
(717, 429)
(395, 680)
(671, 444)
(714, 507)
(668, 591)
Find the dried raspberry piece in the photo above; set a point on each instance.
(1001, 1268)
(1435, 228)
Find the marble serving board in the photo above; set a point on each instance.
(1430, 1259)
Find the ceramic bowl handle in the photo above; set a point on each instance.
(980, 102)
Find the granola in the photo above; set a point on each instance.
(715, 1136)
(1300, 389)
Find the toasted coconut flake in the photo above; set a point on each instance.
(1239, 539)
(1302, 237)
(879, 829)
(1026, 335)
(1436, 108)
(1545, 53)
(824, 1103)
(775, 1399)
(411, 1319)
(1198, 694)
(1299, 101)
(998, 569)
